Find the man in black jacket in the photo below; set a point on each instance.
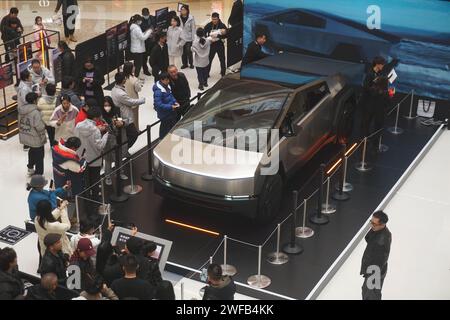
(53, 260)
(11, 286)
(375, 258)
(180, 89)
(11, 28)
(45, 290)
(220, 287)
(237, 13)
(217, 30)
(67, 59)
(148, 22)
(254, 50)
(159, 58)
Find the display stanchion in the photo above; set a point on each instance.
(227, 269)
(104, 208)
(259, 281)
(382, 148)
(346, 186)
(182, 291)
(340, 194)
(132, 189)
(318, 217)
(363, 166)
(292, 247)
(410, 116)
(327, 207)
(304, 232)
(395, 129)
(278, 257)
(119, 196)
(77, 210)
(148, 176)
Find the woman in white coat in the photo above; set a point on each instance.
(132, 87)
(175, 42)
(47, 222)
(137, 39)
(188, 35)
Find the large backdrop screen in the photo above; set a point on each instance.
(417, 32)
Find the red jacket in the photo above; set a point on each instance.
(82, 115)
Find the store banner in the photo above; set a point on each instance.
(162, 18)
(6, 75)
(23, 66)
(94, 48)
(24, 52)
(235, 45)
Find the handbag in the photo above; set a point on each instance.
(426, 108)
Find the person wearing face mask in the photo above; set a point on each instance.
(137, 45)
(90, 81)
(63, 119)
(148, 23)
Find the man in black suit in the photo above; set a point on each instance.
(254, 50)
(159, 58)
(180, 89)
(148, 22)
(217, 30)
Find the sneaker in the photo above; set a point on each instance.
(200, 87)
(72, 38)
(30, 172)
(184, 66)
(123, 176)
(108, 181)
(206, 85)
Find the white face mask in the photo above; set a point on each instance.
(139, 23)
(108, 109)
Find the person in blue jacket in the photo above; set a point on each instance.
(165, 104)
(38, 193)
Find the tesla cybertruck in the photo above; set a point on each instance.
(307, 104)
(323, 34)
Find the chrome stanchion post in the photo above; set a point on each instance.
(259, 281)
(292, 247)
(382, 148)
(278, 257)
(328, 208)
(148, 176)
(363, 166)
(347, 187)
(227, 269)
(182, 290)
(77, 210)
(118, 196)
(319, 218)
(132, 189)
(304, 232)
(103, 208)
(340, 194)
(395, 129)
(410, 116)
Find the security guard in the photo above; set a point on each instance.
(217, 30)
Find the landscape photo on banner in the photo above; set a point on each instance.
(416, 32)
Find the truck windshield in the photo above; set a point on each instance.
(233, 110)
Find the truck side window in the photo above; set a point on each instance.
(297, 107)
(315, 94)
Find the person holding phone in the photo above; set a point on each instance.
(41, 76)
(63, 119)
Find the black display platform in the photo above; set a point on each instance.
(298, 277)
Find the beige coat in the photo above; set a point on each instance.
(55, 227)
(132, 88)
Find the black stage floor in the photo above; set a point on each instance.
(298, 277)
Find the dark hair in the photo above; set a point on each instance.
(134, 245)
(201, 34)
(63, 44)
(92, 103)
(378, 60)
(86, 225)
(67, 81)
(260, 35)
(24, 75)
(110, 101)
(65, 97)
(381, 216)
(36, 19)
(177, 20)
(128, 69)
(35, 61)
(13, 10)
(44, 213)
(215, 15)
(93, 113)
(119, 77)
(73, 143)
(51, 89)
(164, 76)
(129, 263)
(95, 286)
(136, 18)
(149, 247)
(215, 271)
(160, 35)
(185, 6)
(31, 97)
(88, 60)
(145, 11)
(13, 21)
(7, 256)
(164, 291)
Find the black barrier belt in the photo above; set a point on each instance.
(198, 96)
